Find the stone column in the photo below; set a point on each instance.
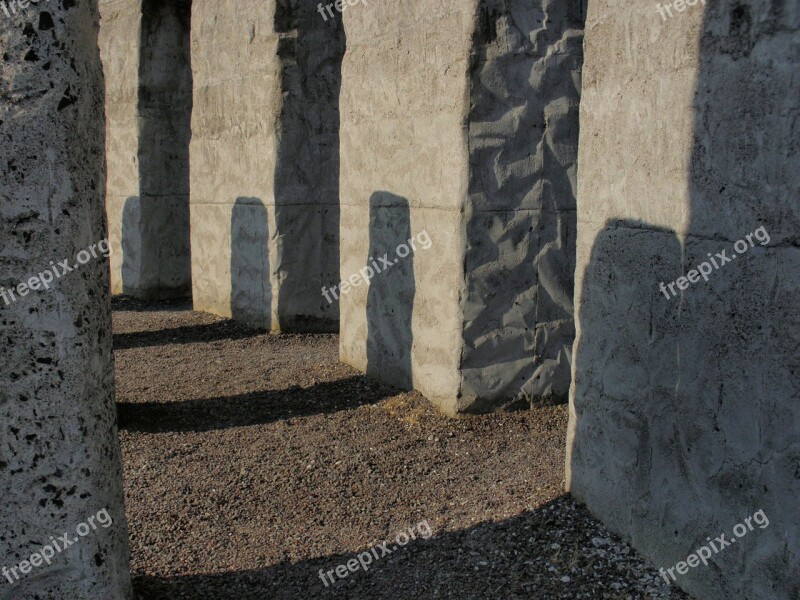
(145, 51)
(685, 407)
(265, 162)
(59, 455)
(462, 127)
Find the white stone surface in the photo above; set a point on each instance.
(59, 453)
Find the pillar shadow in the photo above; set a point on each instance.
(626, 371)
(255, 408)
(307, 167)
(740, 360)
(524, 556)
(688, 407)
(131, 246)
(251, 290)
(188, 334)
(164, 110)
(392, 289)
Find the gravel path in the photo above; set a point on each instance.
(254, 461)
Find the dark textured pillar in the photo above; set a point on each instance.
(59, 456)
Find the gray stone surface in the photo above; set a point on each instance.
(145, 51)
(685, 412)
(464, 125)
(59, 455)
(265, 147)
(523, 145)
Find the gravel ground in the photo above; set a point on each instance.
(253, 461)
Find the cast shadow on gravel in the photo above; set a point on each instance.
(187, 334)
(255, 408)
(527, 556)
(123, 302)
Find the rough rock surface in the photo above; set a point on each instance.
(685, 411)
(523, 150)
(265, 162)
(59, 453)
(145, 51)
(463, 125)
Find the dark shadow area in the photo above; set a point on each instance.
(508, 559)
(188, 334)
(251, 291)
(627, 357)
(687, 403)
(255, 408)
(133, 304)
(390, 299)
(157, 231)
(307, 167)
(521, 224)
(132, 246)
(740, 354)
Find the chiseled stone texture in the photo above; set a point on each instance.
(685, 412)
(462, 122)
(265, 162)
(145, 50)
(59, 455)
(523, 149)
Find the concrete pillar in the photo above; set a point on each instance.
(463, 126)
(59, 456)
(265, 162)
(145, 51)
(685, 410)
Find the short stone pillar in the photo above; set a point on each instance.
(265, 162)
(461, 128)
(685, 410)
(62, 524)
(145, 50)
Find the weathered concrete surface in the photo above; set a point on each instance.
(145, 50)
(59, 456)
(685, 412)
(265, 161)
(464, 125)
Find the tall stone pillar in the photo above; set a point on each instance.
(685, 408)
(145, 50)
(265, 162)
(462, 127)
(59, 456)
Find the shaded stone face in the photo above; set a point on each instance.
(523, 148)
(686, 405)
(470, 117)
(265, 129)
(146, 59)
(59, 457)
